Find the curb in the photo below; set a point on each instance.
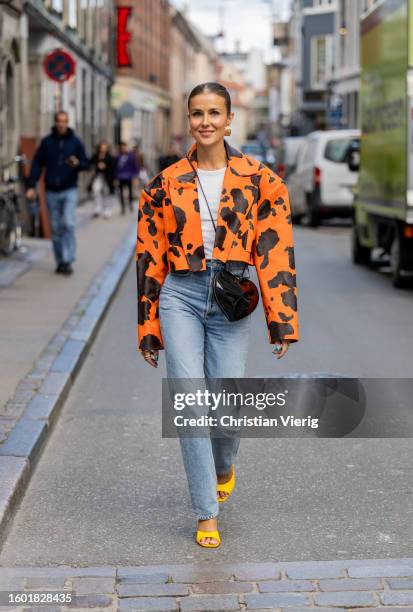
(40, 395)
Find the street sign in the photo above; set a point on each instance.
(59, 65)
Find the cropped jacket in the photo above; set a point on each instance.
(253, 225)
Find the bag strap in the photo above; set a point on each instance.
(206, 200)
(203, 193)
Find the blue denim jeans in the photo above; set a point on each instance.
(62, 214)
(200, 342)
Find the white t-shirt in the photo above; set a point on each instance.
(212, 182)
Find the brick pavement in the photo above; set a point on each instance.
(385, 584)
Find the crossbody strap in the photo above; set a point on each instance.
(203, 192)
(206, 200)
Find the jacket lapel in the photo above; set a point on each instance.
(239, 192)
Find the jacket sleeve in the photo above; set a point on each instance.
(38, 163)
(273, 254)
(151, 267)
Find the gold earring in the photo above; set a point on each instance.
(227, 131)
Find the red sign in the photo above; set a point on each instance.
(123, 36)
(59, 65)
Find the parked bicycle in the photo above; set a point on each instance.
(10, 212)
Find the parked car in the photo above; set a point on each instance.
(286, 155)
(321, 184)
(255, 149)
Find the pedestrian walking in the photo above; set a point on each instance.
(143, 175)
(63, 156)
(215, 208)
(126, 171)
(102, 182)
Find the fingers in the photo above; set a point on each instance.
(151, 357)
(284, 348)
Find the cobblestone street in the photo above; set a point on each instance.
(384, 584)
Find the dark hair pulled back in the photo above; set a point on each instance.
(212, 87)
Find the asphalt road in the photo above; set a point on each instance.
(109, 490)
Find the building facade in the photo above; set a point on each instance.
(184, 49)
(347, 76)
(140, 97)
(10, 79)
(193, 60)
(29, 98)
(242, 97)
(313, 25)
(85, 30)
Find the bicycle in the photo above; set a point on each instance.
(10, 213)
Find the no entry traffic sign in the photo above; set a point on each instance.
(59, 65)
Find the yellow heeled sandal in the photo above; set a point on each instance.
(226, 487)
(208, 534)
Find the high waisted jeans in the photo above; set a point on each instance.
(200, 342)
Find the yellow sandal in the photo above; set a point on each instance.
(227, 487)
(208, 534)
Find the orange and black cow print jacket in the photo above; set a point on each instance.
(253, 226)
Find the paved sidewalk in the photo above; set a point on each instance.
(32, 250)
(37, 304)
(47, 324)
(385, 584)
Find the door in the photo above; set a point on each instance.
(337, 180)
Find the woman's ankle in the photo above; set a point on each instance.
(208, 522)
(224, 477)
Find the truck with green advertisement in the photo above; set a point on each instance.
(383, 204)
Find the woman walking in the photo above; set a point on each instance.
(213, 208)
(126, 172)
(101, 183)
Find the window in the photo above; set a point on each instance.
(57, 5)
(321, 60)
(83, 14)
(337, 150)
(72, 13)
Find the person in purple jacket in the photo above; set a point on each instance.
(126, 170)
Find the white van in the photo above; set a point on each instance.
(320, 185)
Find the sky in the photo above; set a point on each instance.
(248, 21)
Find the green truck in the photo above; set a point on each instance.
(383, 203)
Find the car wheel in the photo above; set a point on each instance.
(360, 254)
(396, 263)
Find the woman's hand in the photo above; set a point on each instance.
(283, 346)
(151, 357)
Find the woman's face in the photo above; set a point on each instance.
(208, 118)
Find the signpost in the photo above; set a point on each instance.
(59, 66)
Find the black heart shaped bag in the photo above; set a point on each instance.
(237, 296)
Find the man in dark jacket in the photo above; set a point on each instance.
(63, 155)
